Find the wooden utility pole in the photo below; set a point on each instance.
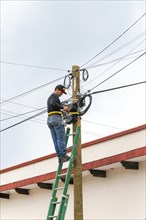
(78, 196)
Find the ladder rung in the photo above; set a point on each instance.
(59, 188)
(53, 216)
(55, 202)
(65, 196)
(63, 201)
(71, 134)
(62, 174)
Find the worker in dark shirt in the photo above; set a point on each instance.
(55, 123)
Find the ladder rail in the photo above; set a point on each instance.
(64, 199)
(54, 191)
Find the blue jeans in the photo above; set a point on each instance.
(58, 134)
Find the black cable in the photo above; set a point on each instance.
(20, 104)
(40, 121)
(117, 71)
(106, 90)
(26, 65)
(81, 101)
(32, 90)
(38, 114)
(119, 87)
(114, 40)
(114, 64)
(117, 50)
(118, 59)
(22, 114)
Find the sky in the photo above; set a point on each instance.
(41, 41)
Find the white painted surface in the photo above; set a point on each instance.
(119, 196)
(97, 151)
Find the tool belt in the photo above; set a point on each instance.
(54, 113)
(74, 113)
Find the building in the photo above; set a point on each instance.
(114, 181)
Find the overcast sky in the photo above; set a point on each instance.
(58, 35)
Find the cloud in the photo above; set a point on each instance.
(62, 34)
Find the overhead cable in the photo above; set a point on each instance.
(27, 119)
(117, 50)
(118, 71)
(102, 124)
(120, 87)
(27, 65)
(114, 40)
(20, 104)
(101, 91)
(30, 91)
(118, 59)
(40, 121)
(22, 114)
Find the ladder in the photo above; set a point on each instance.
(65, 197)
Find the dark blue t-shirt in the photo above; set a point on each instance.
(53, 103)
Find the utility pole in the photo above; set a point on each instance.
(78, 196)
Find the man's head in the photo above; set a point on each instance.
(60, 89)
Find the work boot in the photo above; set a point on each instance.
(64, 159)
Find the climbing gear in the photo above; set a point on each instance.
(65, 197)
(77, 109)
(55, 112)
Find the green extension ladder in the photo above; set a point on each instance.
(64, 198)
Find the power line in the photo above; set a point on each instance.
(120, 87)
(117, 50)
(114, 63)
(36, 115)
(27, 65)
(114, 40)
(118, 59)
(117, 71)
(20, 104)
(42, 112)
(40, 121)
(22, 114)
(30, 91)
(102, 124)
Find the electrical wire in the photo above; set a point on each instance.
(120, 87)
(27, 65)
(117, 71)
(8, 113)
(22, 114)
(101, 124)
(117, 50)
(118, 59)
(113, 64)
(44, 111)
(89, 95)
(30, 91)
(114, 40)
(20, 104)
(20, 122)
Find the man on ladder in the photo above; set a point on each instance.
(55, 123)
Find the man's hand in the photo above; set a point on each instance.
(66, 108)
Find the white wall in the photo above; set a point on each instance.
(119, 196)
(96, 151)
